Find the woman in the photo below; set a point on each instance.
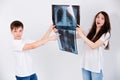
(96, 40)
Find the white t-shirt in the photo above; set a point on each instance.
(23, 58)
(91, 59)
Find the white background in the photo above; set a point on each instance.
(49, 62)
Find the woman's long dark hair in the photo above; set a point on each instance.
(104, 29)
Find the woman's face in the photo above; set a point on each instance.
(100, 20)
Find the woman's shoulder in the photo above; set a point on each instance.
(106, 36)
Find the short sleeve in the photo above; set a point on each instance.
(105, 38)
(19, 46)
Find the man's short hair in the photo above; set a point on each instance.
(16, 24)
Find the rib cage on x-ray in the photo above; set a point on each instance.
(65, 18)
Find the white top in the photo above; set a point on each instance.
(91, 59)
(23, 58)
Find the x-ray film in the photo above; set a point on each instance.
(65, 18)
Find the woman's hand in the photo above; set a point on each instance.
(79, 30)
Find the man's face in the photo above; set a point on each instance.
(17, 33)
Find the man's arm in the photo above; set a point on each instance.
(42, 41)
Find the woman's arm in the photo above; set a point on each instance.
(91, 44)
(77, 36)
(42, 41)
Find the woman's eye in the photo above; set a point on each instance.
(102, 18)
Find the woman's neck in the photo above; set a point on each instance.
(97, 30)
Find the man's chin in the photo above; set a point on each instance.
(17, 38)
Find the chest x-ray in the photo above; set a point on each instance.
(65, 18)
